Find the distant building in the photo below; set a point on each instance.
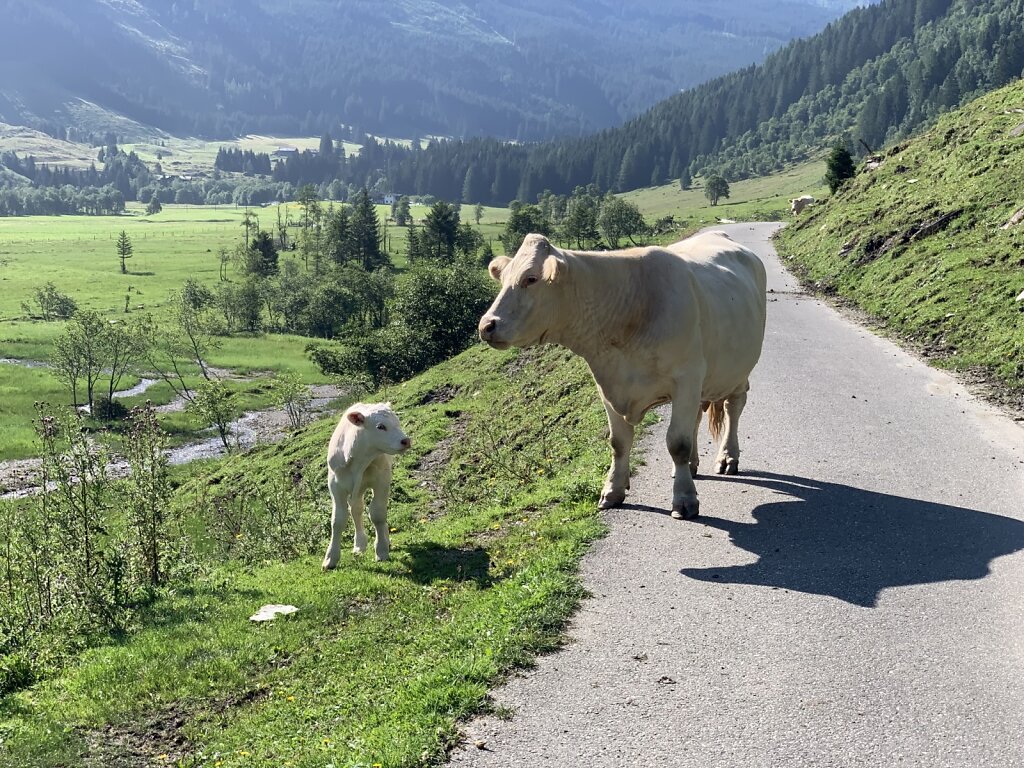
(286, 151)
(390, 198)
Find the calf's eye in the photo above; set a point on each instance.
(530, 280)
(382, 428)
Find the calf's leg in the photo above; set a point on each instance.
(621, 438)
(358, 505)
(339, 516)
(381, 484)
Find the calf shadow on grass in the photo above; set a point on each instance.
(431, 562)
(850, 543)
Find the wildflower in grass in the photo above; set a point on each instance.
(496, 526)
(291, 698)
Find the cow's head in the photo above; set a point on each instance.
(379, 426)
(526, 309)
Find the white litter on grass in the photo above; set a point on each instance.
(271, 612)
(1021, 297)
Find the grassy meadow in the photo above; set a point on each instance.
(77, 254)
(761, 199)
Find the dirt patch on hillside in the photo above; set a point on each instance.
(157, 738)
(427, 471)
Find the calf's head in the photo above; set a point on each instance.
(379, 427)
(526, 309)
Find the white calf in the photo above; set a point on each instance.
(358, 460)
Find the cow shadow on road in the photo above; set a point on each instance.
(850, 543)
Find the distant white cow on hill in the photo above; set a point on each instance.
(359, 460)
(797, 204)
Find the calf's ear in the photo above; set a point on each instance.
(356, 418)
(497, 264)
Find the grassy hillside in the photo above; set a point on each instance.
(760, 199)
(490, 512)
(919, 242)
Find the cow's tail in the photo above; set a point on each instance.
(716, 418)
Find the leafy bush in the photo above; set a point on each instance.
(53, 305)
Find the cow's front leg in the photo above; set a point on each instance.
(680, 441)
(379, 513)
(339, 516)
(358, 510)
(728, 460)
(621, 438)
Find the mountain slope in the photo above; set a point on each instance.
(524, 69)
(924, 242)
(880, 71)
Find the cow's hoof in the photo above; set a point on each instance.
(728, 466)
(687, 510)
(611, 499)
(328, 564)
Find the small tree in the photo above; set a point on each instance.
(124, 250)
(715, 188)
(154, 206)
(685, 180)
(839, 167)
(478, 213)
(53, 305)
(401, 212)
(618, 219)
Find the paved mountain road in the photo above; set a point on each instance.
(854, 598)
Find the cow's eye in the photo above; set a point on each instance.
(382, 427)
(530, 280)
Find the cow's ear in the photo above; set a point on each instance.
(555, 267)
(497, 264)
(356, 418)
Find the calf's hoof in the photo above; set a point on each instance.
(693, 469)
(687, 509)
(329, 564)
(728, 466)
(611, 499)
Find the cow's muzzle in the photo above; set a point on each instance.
(488, 327)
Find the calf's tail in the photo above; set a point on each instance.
(716, 418)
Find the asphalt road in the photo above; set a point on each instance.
(854, 598)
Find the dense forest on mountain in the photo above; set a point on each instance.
(876, 74)
(517, 69)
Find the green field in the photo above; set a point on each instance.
(77, 254)
(762, 199)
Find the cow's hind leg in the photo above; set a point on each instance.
(728, 460)
(621, 438)
(680, 439)
(339, 516)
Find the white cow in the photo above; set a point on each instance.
(683, 324)
(797, 204)
(358, 460)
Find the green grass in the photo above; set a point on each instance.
(77, 254)
(951, 291)
(761, 199)
(383, 660)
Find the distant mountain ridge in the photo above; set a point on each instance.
(522, 69)
(876, 74)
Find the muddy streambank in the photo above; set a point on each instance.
(18, 477)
